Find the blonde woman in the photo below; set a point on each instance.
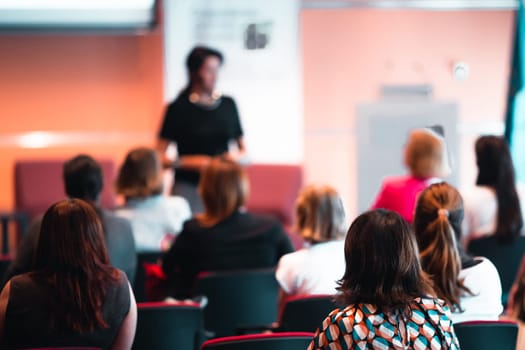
(154, 218)
(427, 160)
(316, 268)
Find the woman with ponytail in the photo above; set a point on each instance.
(471, 286)
(493, 206)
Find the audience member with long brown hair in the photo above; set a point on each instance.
(316, 268)
(471, 286)
(155, 218)
(493, 206)
(390, 300)
(224, 237)
(73, 297)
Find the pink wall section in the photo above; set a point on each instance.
(349, 54)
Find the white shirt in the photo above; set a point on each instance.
(155, 217)
(485, 304)
(312, 270)
(481, 210)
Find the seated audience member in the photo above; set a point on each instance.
(83, 179)
(316, 268)
(391, 303)
(73, 297)
(493, 206)
(155, 218)
(427, 160)
(471, 286)
(224, 237)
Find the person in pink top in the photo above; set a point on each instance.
(426, 159)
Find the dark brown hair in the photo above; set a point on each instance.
(71, 257)
(518, 298)
(382, 264)
(83, 178)
(320, 214)
(495, 169)
(437, 225)
(141, 174)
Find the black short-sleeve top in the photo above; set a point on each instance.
(29, 309)
(199, 129)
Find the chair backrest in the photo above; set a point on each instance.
(238, 299)
(305, 313)
(274, 341)
(39, 183)
(273, 190)
(168, 326)
(506, 257)
(480, 335)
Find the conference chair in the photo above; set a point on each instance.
(238, 300)
(12, 224)
(273, 190)
(164, 326)
(273, 341)
(489, 335)
(305, 313)
(506, 258)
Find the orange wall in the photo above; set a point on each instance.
(74, 83)
(349, 54)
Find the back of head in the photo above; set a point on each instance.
(382, 265)
(223, 188)
(437, 225)
(496, 170)
(71, 238)
(71, 256)
(426, 154)
(140, 175)
(320, 214)
(83, 178)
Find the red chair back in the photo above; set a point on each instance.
(274, 341)
(39, 183)
(273, 190)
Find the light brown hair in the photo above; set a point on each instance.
(426, 154)
(320, 214)
(223, 188)
(140, 175)
(437, 225)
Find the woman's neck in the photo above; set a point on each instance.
(203, 96)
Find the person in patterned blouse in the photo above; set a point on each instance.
(391, 303)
